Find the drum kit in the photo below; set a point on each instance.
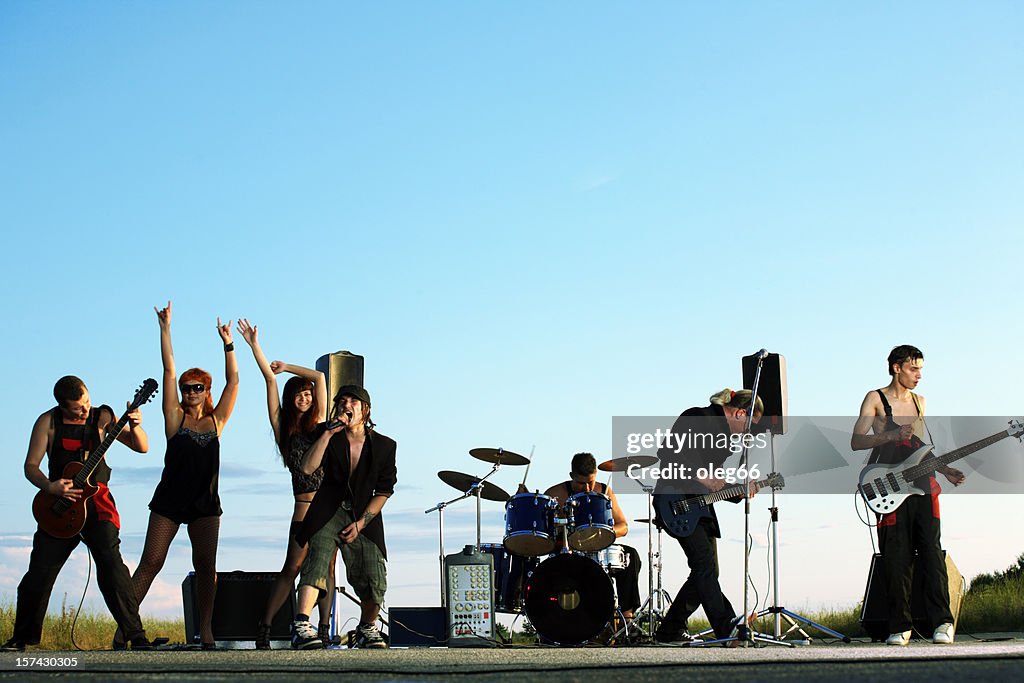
(555, 563)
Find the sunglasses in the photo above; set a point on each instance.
(192, 388)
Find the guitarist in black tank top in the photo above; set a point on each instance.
(64, 435)
(891, 423)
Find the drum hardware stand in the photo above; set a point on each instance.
(657, 598)
(777, 611)
(474, 490)
(746, 636)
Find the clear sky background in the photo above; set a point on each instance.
(529, 217)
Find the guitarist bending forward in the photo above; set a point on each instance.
(707, 432)
(895, 417)
(65, 434)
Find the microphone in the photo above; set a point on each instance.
(335, 423)
(762, 354)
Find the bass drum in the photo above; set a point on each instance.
(569, 599)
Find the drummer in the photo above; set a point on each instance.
(583, 479)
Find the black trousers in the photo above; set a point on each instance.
(916, 529)
(49, 555)
(627, 581)
(701, 588)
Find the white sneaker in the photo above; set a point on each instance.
(368, 636)
(944, 634)
(304, 636)
(898, 638)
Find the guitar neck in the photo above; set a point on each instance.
(928, 466)
(96, 456)
(729, 492)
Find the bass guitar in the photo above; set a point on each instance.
(885, 487)
(63, 518)
(680, 513)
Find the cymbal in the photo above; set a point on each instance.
(498, 455)
(462, 482)
(622, 464)
(643, 520)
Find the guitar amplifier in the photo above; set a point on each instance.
(469, 584)
(238, 607)
(874, 614)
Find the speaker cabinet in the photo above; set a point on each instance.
(340, 368)
(771, 388)
(418, 626)
(241, 599)
(874, 614)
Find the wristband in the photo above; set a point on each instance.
(229, 347)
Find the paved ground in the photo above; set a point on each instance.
(969, 659)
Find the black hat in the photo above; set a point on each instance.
(353, 390)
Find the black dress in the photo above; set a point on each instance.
(188, 485)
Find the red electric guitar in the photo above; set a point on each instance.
(63, 518)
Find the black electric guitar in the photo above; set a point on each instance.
(680, 513)
(63, 518)
(885, 487)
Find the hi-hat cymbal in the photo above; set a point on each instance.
(498, 455)
(462, 482)
(622, 464)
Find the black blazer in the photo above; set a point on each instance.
(375, 474)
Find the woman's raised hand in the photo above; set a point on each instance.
(247, 331)
(163, 315)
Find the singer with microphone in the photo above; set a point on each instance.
(359, 477)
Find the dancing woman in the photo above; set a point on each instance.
(296, 418)
(187, 492)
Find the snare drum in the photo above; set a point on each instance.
(529, 524)
(612, 559)
(591, 526)
(510, 573)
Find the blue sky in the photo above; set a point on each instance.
(528, 217)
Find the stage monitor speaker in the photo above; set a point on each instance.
(771, 388)
(417, 626)
(874, 613)
(241, 599)
(340, 368)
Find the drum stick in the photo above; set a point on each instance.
(527, 472)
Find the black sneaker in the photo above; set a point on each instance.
(262, 636)
(13, 645)
(368, 636)
(323, 632)
(677, 639)
(304, 636)
(140, 643)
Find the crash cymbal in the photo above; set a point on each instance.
(498, 455)
(643, 520)
(462, 482)
(622, 464)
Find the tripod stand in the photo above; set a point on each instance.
(657, 597)
(780, 613)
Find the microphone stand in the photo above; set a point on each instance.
(744, 634)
